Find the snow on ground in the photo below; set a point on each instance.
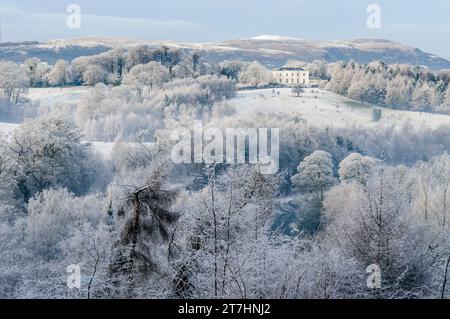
(328, 109)
(270, 37)
(7, 128)
(104, 148)
(52, 96)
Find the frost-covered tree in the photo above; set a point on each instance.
(298, 90)
(441, 170)
(115, 61)
(374, 224)
(231, 68)
(77, 67)
(48, 152)
(396, 86)
(356, 167)
(254, 73)
(422, 98)
(318, 69)
(445, 106)
(91, 243)
(151, 75)
(57, 230)
(137, 55)
(424, 185)
(59, 75)
(399, 92)
(9, 192)
(143, 245)
(53, 214)
(341, 75)
(315, 173)
(94, 74)
(225, 226)
(183, 70)
(432, 190)
(196, 63)
(13, 81)
(37, 71)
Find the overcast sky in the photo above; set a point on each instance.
(422, 24)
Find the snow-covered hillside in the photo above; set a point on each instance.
(323, 109)
(52, 96)
(328, 109)
(272, 50)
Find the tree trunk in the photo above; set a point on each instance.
(444, 284)
(92, 277)
(216, 249)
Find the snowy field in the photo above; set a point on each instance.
(52, 96)
(7, 128)
(320, 109)
(328, 109)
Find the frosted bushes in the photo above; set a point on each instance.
(406, 144)
(121, 113)
(16, 113)
(376, 224)
(395, 86)
(103, 129)
(122, 127)
(54, 214)
(48, 152)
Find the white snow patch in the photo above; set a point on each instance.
(329, 109)
(52, 96)
(268, 37)
(7, 128)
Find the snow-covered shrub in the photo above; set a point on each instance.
(54, 214)
(48, 152)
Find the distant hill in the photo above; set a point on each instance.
(271, 50)
(20, 51)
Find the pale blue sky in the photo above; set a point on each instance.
(423, 24)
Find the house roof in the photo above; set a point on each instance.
(291, 68)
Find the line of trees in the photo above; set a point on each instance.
(395, 86)
(142, 68)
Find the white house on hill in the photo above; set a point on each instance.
(291, 76)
